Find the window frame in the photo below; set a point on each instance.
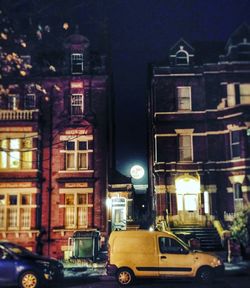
(76, 154)
(7, 154)
(182, 58)
(235, 144)
(77, 60)
(76, 208)
(21, 210)
(75, 104)
(187, 98)
(184, 148)
(244, 97)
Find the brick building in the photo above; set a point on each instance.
(199, 115)
(55, 139)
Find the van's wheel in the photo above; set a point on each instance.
(29, 279)
(205, 275)
(125, 276)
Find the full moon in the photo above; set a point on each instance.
(137, 172)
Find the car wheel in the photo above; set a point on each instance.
(29, 279)
(205, 275)
(125, 276)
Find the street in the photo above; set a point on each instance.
(241, 281)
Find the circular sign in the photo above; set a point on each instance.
(137, 172)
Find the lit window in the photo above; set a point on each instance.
(76, 63)
(206, 202)
(76, 210)
(244, 93)
(77, 105)
(15, 211)
(76, 155)
(182, 58)
(235, 144)
(185, 148)
(184, 98)
(231, 95)
(16, 154)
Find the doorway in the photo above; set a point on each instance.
(187, 193)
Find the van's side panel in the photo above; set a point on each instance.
(138, 251)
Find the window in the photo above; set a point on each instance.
(13, 101)
(184, 98)
(76, 155)
(76, 63)
(76, 210)
(244, 93)
(16, 153)
(77, 105)
(238, 197)
(235, 144)
(169, 245)
(248, 141)
(29, 101)
(15, 211)
(182, 58)
(185, 148)
(231, 101)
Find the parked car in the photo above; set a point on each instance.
(25, 269)
(144, 253)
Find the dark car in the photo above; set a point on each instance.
(19, 266)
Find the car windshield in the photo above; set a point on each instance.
(18, 250)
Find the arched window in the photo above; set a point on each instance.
(182, 57)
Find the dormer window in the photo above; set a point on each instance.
(76, 63)
(182, 57)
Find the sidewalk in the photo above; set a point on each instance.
(97, 270)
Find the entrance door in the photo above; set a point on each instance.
(188, 208)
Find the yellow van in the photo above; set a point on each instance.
(144, 253)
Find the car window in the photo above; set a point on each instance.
(169, 245)
(18, 250)
(4, 254)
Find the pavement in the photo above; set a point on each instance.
(83, 269)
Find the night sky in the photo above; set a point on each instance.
(138, 32)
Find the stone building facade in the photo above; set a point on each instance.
(199, 117)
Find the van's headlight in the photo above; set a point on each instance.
(217, 262)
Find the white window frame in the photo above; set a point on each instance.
(76, 154)
(234, 144)
(73, 211)
(77, 100)
(181, 57)
(186, 148)
(231, 99)
(181, 98)
(13, 101)
(238, 201)
(245, 93)
(22, 153)
(77, 60)
(21, 213)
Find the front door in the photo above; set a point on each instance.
(188, 208)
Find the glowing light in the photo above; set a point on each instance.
(187, 185)
(137, 172)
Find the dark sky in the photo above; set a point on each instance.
(139, 32)
(143, 31)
